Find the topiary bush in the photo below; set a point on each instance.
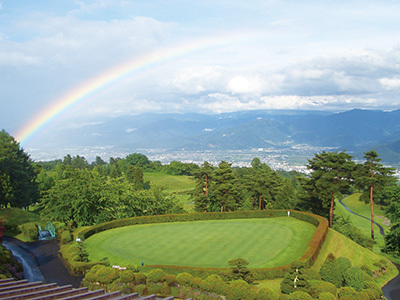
(141, 289)
(184, 279)
(155, 276)
(347, 292)
(326, 296)
(330, 271)
(127, 276)
(295, 279)
(240, 289)
(266, 294)
(322, 287)
(299, 295)
(354, 277)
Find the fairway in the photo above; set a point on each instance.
(264, 243)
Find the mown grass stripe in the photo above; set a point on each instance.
(264, 243)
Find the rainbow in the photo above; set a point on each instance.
(94, 85)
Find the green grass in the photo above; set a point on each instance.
(16, 217)
(341, 246)
(179, 186)
(263, 243)
(363, 209)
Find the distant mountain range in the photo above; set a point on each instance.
(355, 130)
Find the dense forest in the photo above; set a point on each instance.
(79, 193)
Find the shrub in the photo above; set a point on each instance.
(299, 295)
(153, 288)
(295, 279)
(126, 289)
(140, 278)
(362, 296)
(373, 293)
(266, 294)
(155, 275)
(240, 289)
(326, 296)
(106, 275)
(169, 279)
(330, 271)
(141, 289)
(127, 276)
(30, 231)
(184, 279)
(354, 277)
(216, 284)
(66, 237)
(344, 264)
(348, 292)
(323, 287)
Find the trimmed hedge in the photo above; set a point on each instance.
(308, 257)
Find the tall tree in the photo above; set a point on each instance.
(256, 182)
(226, 188)
(331, 175)
(18, 186)
(373, 177)
(138, 178)
(203, 178)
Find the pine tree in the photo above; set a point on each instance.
(226, 187)
(331, 175)
(295, 279)
(373, 177)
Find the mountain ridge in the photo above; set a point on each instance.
(354, 130)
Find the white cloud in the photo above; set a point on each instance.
(245, 85)
(390, 83)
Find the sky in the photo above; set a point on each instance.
(201, 56)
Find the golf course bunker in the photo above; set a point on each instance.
(263, 242)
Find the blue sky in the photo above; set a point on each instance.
(334, 55)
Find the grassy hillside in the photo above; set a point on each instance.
(180, 186)
(204, 243)
(363, 209)
(341, 246)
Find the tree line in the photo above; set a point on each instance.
(78, 193)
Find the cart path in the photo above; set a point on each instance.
(45, 255)
(381, 230)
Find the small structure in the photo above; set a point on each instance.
(48, 233)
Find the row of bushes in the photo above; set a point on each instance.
(75, 258)
(184, 286)
(308, 257)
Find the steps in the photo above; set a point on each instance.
(22, 289)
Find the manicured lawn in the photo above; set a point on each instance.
(262, 242)
(179, 186)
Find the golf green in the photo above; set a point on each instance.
(264, 243)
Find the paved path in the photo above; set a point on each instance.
(45, 255)
(392, 289)
(381, 230)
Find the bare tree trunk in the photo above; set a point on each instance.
(206, 185)
(259, 202)
(371, 197)
(331, 211)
